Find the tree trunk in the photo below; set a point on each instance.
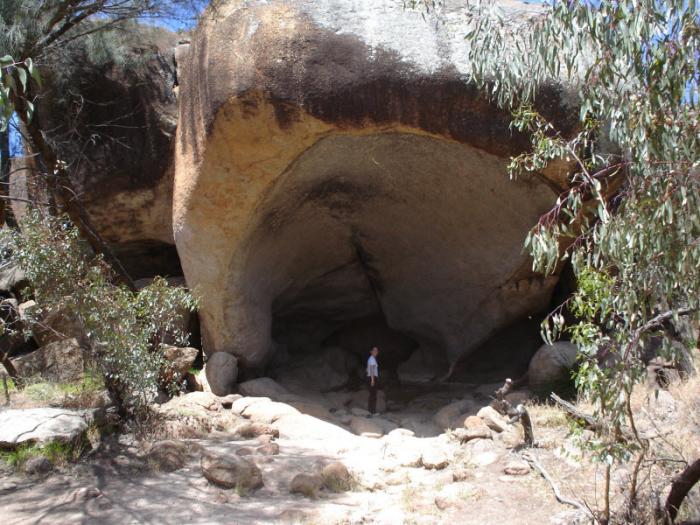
(4, 172)
(679, 490)
(61, 188)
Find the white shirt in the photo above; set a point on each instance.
(372, 362)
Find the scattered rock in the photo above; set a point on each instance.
(180, 359)
(41, 425)
(368, 427)
(221, 371)
(168, 455)
(550, 368)
(461, 474)
(251, 430)
(37, 465)
(493, 419)
(336, 477)
(359, 412)
(306, 484)
(450, 497)
(231, 472)
(517, 468)
(268, 411)
(434, 459)
(59, 361)
(468, 434)
(268, 449)
(227, 401)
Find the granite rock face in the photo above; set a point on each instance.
(41, 425)
(333, 165)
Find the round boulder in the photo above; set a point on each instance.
(231, 472)
(221, 371)
(551, 366)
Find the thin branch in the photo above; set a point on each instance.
(530, 458)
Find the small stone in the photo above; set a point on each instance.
(244, 451)
(336, 477)
(268, 449)
(474, 422)
(231, 472)
(306, 484)
(493, 419)
(434, 459)
(168, 455)
(37, 465)
(517, 468)
(251, 430)
(461, 474)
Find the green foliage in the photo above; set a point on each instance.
(57, 452)
(629, 221)
(125, 329)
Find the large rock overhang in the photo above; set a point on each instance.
(322, 176)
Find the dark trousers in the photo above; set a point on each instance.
(372, 401)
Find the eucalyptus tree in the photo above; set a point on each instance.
(629, 221)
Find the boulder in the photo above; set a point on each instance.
(180, 359)
(268, 411)
(41, 425)
(167, 456)
(201, 405)
(325, 371)
(551, 367)
(368, 427)
(279, 214)
(221, 371)
(231, 472)
(37, 465)
(306, 484)
(424, 365)
(263, 387)
(336, 477)
(252, 430)
(303, 427)
(61, 361)
(434, 458)
(454, 414)
(493, 419)
(268, 449)
(517, 468)
(54, 325)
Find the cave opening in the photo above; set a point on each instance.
(395, 240)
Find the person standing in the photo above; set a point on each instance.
(373, 378)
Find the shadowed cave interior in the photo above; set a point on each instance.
(406, 242)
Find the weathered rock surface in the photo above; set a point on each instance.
(454, 414)
(180, 359)
(287, 225)
(168, 455)
(550, 368)
(306, 484)
(60, 361)
(41, 425)
(231, 472)
(221, 370)
(493, 419)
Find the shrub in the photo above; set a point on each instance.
(124, 328)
